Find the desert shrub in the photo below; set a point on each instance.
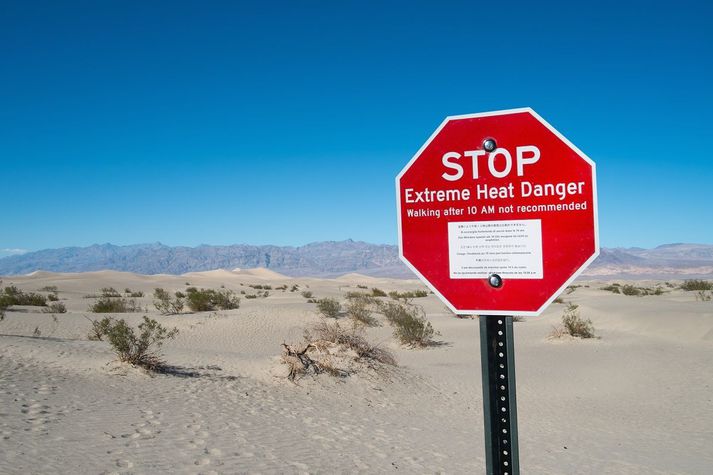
(352, 337)
(52, 297)
(205, 300)
(251, 296)
(49, 288)
(306, 294)
(410, 324)
(696, 284)
(576, 325)
(360, 310)
(99, 328)
(137, 294)
(281, 287)
(630, 290)
(703, 296)
(55, 307)
(13, 296)
(295, 288)
(114, 305)
(558, 300)
(142, 349)
(409, 295)
(572, 288)
(614, 288)
(109, 292)
(356, 295)
(329, 307)
(377, 292)
(362, 287)
(165, 304)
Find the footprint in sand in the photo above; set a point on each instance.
(122, 463)
(202, 461)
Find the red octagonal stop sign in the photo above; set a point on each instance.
(498, 193)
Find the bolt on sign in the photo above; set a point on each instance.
(499, 194)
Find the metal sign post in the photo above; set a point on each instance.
(497, 358)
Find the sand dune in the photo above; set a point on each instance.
(636, 401)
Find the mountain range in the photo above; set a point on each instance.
(329, 259)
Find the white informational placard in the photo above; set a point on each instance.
(511, 249)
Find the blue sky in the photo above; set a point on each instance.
(286, 123)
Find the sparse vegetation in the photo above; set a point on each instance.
(377, 292)
(362, 287)
(572, 288)
(55, 307)
(261, 287)
(109, 292)
(52, 298)
(696, 284)
(630, 290)
(640, 291)
(614, 288)
(409, 295)
(306, 294)
(334, 349)
(558, 300)
(359, 308)
(704, 296)
(99, 328)
(142, 349)
(410, 324)
(329, 307)
(573, 324)
(114, 305)
(205, 300)
(49, 288)
(11, 295)
(167, 305)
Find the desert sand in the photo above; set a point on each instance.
(638, 400)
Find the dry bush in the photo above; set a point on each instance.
(410, 324)
(55, 307)
(375, 292)
(99, 328)
(329, 307)
(142, 349)
(206, 300)
(696, 284)
(359, 308)
(109, 292)
(408, 296)
(336, 350)
(114, 305)
(13, 296)
(165, 304)
(576, 325)
(703, 296)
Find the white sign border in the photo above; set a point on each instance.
(576, 274)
